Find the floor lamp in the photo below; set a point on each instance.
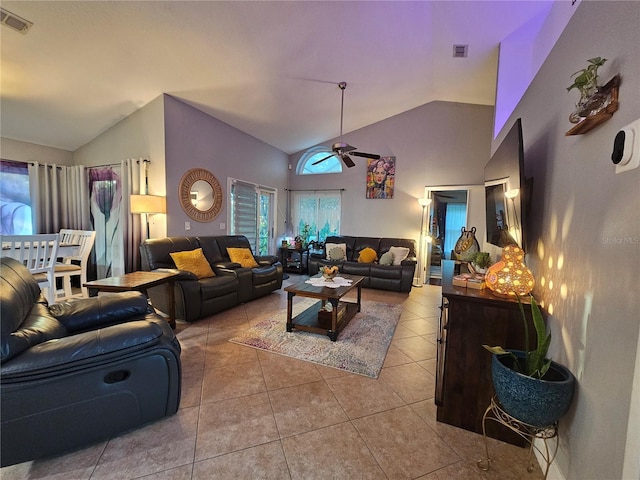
(146, 205)
(419, 278)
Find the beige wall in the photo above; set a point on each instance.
(30, 152)
(586, 229)
(140, 135)
(440, 143)
(197, 140)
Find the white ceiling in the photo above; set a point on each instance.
(268, 68)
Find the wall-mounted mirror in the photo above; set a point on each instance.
(200, 195)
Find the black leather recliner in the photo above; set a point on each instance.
(76, 373)
(200, 297)
(397, 278)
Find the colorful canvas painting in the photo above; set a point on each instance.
(381, 177)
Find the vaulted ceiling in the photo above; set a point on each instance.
(267, 68)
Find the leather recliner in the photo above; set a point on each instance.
(397, 278)
(200, 297)
(77, 373)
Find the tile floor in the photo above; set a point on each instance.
(247, 414)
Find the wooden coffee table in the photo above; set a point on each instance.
(139, 281)
(308, 320)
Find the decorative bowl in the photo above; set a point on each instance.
(329, 273)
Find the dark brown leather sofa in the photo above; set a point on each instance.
(197, 298)
(397, 278)
(76, 373)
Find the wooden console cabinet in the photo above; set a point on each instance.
(469, 319)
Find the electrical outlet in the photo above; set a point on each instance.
(223, 225)
(187, 225)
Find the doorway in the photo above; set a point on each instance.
(448, 214)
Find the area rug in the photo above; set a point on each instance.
(361, 347)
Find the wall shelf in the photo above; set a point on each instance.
(589, 123)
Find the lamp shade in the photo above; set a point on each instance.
(424, 201)
(148, 204)
(510, 276)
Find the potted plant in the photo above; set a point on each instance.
(586, 82)
(302, 239)
(481, 261)
(529, 386)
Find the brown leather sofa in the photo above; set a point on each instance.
(200, 297)
(80, 372)
(397, 278)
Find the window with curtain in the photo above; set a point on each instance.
(456, 218)
(321, 210)
(15, 202)
(252, 214)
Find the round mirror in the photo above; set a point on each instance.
(200, 195)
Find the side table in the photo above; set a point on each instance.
(293, 259)
(139, 281)
(528, 432)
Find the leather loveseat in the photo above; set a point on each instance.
(398, 278)
(80, 372)
(200, 297)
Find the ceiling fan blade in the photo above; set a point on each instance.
(366, 155)
(347, 148)
(347, 161)
(323, 159)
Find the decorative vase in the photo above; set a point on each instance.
(537, 402)
(590, 103)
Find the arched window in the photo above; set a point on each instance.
(330, 165)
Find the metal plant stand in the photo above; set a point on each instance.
(529, 432)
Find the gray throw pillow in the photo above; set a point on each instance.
(386, 258)
(336, 254)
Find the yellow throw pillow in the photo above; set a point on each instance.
(242, 256)
(367, 255)
(193, 261)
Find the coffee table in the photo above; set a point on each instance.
(308, 320)
(139, 281)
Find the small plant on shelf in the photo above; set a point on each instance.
(586, 82)
(482, 260)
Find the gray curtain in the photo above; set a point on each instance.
(60, 197)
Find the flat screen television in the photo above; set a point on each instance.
(506, 191)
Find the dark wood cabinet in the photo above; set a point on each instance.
(469, 319)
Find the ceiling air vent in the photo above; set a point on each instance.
(14, 21)
(460, 51)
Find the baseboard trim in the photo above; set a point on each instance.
(554, 471)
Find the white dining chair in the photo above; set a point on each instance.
(38, 253)
(74, 265)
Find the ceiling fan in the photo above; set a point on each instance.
(341, 149)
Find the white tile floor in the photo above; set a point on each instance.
(247, 414)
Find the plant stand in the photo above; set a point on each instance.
(529, 432)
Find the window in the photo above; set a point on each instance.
(330, 165)
(15, 203)
(320, 209)
(251, 213)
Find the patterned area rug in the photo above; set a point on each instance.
(361, 347)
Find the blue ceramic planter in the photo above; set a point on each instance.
(537, 402)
